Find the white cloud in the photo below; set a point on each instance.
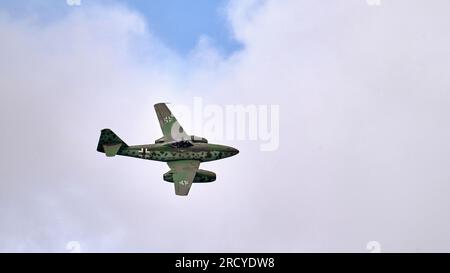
(364, 151)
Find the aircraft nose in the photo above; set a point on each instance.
(234, 151)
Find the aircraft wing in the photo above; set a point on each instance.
(170, 127)
(183, 174)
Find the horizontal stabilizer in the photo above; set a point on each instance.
(111, 150)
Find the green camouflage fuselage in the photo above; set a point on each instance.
(202, 152)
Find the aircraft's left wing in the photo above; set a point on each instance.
(183, 174)
(170, 127)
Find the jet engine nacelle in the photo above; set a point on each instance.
(202, 176)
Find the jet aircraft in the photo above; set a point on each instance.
(182, 152)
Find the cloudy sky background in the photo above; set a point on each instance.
(364, 99)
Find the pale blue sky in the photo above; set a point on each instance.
(179, 24)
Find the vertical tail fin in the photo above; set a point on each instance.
(109, 143)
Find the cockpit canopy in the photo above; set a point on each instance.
(198, 139)
(181, 144)
(194, 139)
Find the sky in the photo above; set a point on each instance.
(178, 23)
(364, 116)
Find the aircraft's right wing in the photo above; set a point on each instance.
(183, 174)
(170, 127)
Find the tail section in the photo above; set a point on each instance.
(109, 143)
